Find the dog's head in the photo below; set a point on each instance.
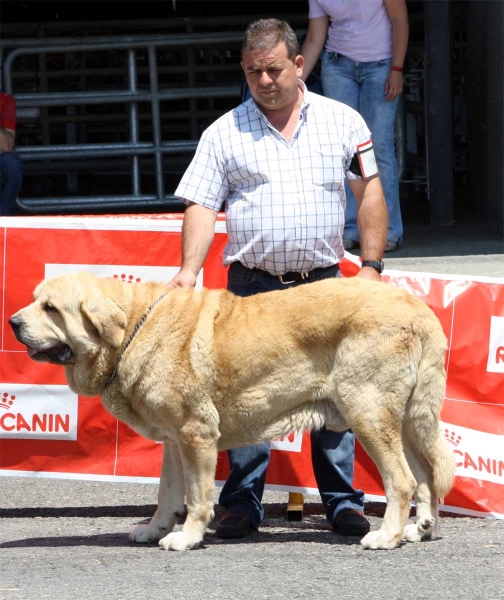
(72, 318)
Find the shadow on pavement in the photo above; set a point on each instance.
(86, 512)
(321, 536)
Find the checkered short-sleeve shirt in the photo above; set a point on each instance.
(284, 203)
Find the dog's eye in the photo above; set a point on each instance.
(48, 307)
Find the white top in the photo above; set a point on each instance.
(284, 203)
(359, 29)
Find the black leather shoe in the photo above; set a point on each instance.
(351, 522)
(233, 525)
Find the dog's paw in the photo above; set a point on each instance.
(144, 534)
(179, 541)
(379, 540)
(421, 530)
(411, 533)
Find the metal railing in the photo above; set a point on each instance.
(96, 113)
(131, 96)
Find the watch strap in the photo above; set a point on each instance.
(375, 264)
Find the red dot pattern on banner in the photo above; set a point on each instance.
(452, 437)
(6, 402)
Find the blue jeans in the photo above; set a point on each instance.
(11, 177)
(361, 85)
(332, 452)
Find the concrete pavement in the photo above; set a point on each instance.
(462, 249)
(68, 540)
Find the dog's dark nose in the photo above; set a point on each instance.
(15, 323)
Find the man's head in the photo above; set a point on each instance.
(272, 63)
(268, 33)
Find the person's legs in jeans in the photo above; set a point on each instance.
(333, 466)
(243, 490)
(339, 83)
(379, 114)
(332, 452)
(362, 87)
(11, 177)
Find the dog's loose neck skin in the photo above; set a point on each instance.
(131, 338)
(89, 374)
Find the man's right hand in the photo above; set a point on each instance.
(185, 278)
(197, 236)
(7, 140)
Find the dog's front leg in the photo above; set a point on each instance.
(199, 459)
(170, 499)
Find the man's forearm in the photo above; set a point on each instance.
(197, 236)
(372, 221)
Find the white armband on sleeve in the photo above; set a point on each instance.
(367, 160)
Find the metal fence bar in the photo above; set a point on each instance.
(71, 131)
(66, 98)
(115, 165)
(134, 126)
(42, 65)
(106, 72)
(120, 43)
(104, 150)
(97, 203)
(191, 63)
(156, 122)
(30, 114)
(173, 146)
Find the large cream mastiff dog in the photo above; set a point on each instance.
(203, 371)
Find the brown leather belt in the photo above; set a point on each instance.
(292, 276)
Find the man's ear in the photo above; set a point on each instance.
(299, 63)
(107, 318)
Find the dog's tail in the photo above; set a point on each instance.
(424, 408)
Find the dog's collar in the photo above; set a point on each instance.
(130, 339)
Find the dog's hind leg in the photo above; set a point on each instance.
(381, 438)
(425, 499)
(430, 457)
(170, 499)
(434, 465)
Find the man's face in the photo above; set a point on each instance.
(272, 76)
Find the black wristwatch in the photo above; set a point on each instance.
(376, 264)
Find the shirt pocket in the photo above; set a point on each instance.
(327, 163)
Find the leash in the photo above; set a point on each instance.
(133, 333)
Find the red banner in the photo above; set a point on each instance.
(46, 430)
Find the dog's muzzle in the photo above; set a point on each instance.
(58, 354)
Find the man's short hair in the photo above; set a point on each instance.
(268, 33)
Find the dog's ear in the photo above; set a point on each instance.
(107, 318)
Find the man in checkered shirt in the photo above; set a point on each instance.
(277, 164)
